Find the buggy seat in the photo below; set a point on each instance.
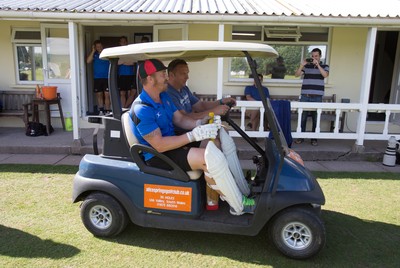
(136, 150)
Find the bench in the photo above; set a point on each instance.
(325, 115)
(16, 103)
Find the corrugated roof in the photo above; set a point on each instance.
(324, 8)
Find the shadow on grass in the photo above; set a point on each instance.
(350, 242)
(16, 243)
(28, 168)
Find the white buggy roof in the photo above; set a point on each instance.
(188, 50)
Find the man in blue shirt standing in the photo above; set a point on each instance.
(252, 94)
(313, 87)
(126, 77)
(100, 74)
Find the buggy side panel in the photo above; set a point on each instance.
(148, 193)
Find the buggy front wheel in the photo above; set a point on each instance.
(298, 233)
(103, 216)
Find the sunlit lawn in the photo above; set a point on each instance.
(40, 227)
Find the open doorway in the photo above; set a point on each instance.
(109, 36)
(385, 71)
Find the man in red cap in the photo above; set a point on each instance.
(155, 115)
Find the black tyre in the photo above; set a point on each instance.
(298, 233)
(103, 216)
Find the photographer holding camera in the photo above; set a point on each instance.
(313, 87)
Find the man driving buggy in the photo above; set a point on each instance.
(154, 118)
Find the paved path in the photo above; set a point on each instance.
(67, 159)
(56, 149)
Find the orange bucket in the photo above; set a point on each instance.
(49, 92)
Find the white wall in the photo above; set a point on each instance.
(7, 66)
(203, 76)
(346, 61)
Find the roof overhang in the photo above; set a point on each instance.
(132, 18)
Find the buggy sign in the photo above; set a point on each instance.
(168, 197)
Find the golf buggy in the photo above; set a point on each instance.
(117, 186)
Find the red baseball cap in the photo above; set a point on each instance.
(149, 67)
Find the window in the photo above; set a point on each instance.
(170, 32)
(57, 52)
(28, 55)
(292, 43)
(246, 33)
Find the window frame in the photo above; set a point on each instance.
(44, 30)
(183, 28)
(24, 42)
(293, 43)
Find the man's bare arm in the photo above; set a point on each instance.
(202, 109)
(162, 144)
(184, 120)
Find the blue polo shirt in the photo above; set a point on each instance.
(183, 99)
(100, 67)
(253, 92)
(152, 116)
(126, 69)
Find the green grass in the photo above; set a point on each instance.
(40, 227)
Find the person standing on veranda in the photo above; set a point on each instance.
(126, 77)
(100, 75)
(313, 87)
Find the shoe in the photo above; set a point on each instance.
(299, 141)
(249, 205)
(212, 206)
(108, 112)
(101, 113)
(314, 142)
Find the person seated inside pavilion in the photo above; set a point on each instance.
(252, 94)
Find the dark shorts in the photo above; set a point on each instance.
(126, 82)
(179, 156)
(101, 85)
(310, 98)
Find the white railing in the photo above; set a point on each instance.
(337, 109)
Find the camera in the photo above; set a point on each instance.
(309, 60)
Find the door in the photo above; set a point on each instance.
(56, 62)
(395, 96)
(384, 70)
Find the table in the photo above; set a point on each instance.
(46, 104)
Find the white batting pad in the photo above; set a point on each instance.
(218, 169)
(229, 149)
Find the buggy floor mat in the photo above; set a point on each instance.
(223, 215)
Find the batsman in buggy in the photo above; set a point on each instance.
(155, 117)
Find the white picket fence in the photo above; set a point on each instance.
(360, 134)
